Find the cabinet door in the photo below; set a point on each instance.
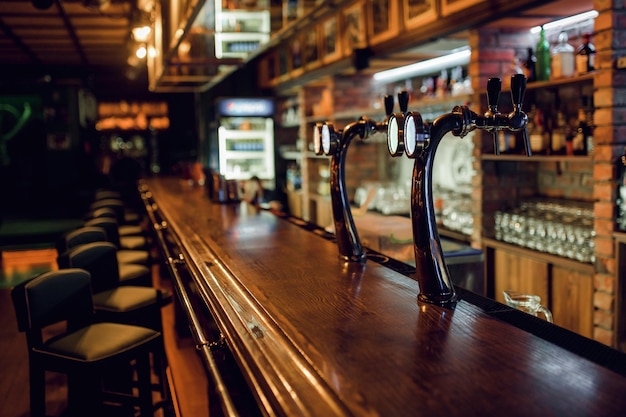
(519, 273)
(572, 300)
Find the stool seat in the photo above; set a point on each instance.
(130, 230)
(140, 257)
(134, 274)
(99, 341)
(125, 299)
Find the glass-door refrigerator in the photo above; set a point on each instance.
(246, 139)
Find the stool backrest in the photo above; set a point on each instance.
(111, 203)
(52, 297)
(100, 260)
(110, 226)
(82, 235)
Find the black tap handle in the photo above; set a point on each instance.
(388, 104)
(496, 145)
(403, 100)
(517, 118)
(494, 86)
(526, 140)
(518, 89)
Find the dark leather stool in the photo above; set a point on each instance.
(87, 351)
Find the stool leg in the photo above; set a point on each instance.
(37, 392)
(145, 385)
(84, 395)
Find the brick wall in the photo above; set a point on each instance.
(610, 139)
(367, 160)
(502, 184)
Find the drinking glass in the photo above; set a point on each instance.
(527, 303)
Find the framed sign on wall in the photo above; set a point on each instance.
(354, 33)
(331, 48)
(449, 7)
(419, 12)
(382, 18)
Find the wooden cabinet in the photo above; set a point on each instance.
(520, 273)
(572, 299)
(565, 286)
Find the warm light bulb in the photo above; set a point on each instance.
(141, 33)
(141, 52)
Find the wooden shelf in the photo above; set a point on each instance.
(563, 81)
(546, 257)
(536, 158)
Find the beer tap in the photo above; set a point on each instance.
(330, 142)
(411, 135)
(514, 121)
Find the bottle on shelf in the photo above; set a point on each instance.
(585, 56)
(590, 127)
(562, 58)
(543, 57)
(530, 66)
(583, 139)
(569, 144)
(620, 201)
(507, 142)
(537, 132)
(559, 135)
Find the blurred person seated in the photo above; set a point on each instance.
(253, 193)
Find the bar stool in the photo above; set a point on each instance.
(89, 234)
(132, 202)
(125, 216)
(116, 301)
(123, 230)
(87, 352)
(100, 259)
(111, 226)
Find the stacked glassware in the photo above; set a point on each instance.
(457, 215)
(559, 228)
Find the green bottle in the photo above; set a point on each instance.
(543, 57)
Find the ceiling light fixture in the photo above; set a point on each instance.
(459, 56)
(568, 21)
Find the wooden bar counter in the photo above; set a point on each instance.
(313, 336)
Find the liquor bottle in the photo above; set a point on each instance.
(543, 57)
(537, 132)
(590, 127)
(582, 133)
(562, 58)
(620, 201)
(559, 135)
(530, 66)
(506, 141)
(585, 56)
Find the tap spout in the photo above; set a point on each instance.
(336, 144)
(348, 241)
(431, 270)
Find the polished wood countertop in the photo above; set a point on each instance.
(317, 337)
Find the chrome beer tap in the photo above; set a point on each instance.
(330, 142)
(408, 133)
